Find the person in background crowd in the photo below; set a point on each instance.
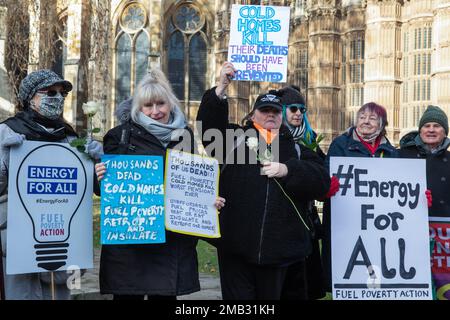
(159, 271)
(431, 143)
(41, 94)
(263, 225)
(367, 138)
(295, 118)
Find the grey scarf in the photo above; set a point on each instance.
(165, 133)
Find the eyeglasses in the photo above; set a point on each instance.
(52, 93)
(294, 107)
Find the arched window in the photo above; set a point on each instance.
(187, 52)
(132, 47)
(356, 70)
(197, 67)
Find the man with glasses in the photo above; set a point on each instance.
(41, 94)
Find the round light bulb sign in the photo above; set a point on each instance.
(51, 182)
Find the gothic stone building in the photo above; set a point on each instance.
(342, 53)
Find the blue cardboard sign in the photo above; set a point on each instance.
(132, 200)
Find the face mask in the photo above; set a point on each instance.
(52, 107)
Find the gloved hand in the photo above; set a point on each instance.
(14, 140)
(429, 198)
(274, 169)
(94, 149)
(334, 187)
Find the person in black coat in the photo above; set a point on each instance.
(295, 118)
(367, 138)
(264, 228)
(160, 271)
(431, 143)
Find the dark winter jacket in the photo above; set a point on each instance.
(346, 145)
(313, 263)
(154, 269)
(258, 223)
(438, 170)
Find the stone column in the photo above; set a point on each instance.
(298, 49)
(353, 26)
(382, 59)
(155, 24)
(323, 57)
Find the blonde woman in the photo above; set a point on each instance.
(158, 271)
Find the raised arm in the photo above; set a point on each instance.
(213, 111)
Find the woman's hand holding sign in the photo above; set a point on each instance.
(100, 170)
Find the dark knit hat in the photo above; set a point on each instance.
(291, 95)
(39, 80)
(434, 114)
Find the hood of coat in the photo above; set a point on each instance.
(123, 111)
(408, 139)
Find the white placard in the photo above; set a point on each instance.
(49, 208)
(258, 46)
(191, 188)
(379, 230)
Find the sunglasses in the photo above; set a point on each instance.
(52, 93)
(294, 107)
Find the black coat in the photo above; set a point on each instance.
(155, 269)
(346, 145)
(258, 223)
(437, 168)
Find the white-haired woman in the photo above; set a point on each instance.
(159, 271)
